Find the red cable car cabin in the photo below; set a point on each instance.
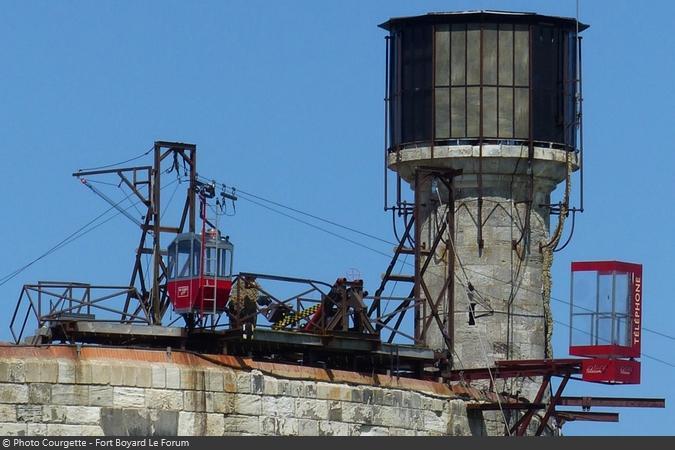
(605, 320)
(200, 281)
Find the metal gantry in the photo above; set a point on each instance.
(334, 325)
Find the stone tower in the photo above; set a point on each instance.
(482, 116)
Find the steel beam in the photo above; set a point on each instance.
(613, 402)
(571, 416)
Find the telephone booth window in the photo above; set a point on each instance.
(605, 309)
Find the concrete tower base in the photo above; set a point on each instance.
(499, 221)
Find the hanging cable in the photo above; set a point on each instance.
(410, 264)
(121, 162)
(77, 234)
(313, 216)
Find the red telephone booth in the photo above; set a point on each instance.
(605, 320)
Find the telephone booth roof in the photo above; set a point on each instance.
(606, 266)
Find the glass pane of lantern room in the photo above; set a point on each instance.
(583, 308)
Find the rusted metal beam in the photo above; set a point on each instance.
(518, 368)
(613, 402)
(571, 416)
(504, 406)
(520, 427)
(551, 406)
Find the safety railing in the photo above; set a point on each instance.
(51, 302)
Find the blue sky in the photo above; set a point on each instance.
(284, 100)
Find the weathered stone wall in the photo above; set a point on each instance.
(43, 395)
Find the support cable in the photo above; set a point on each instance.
(72, 237)
(121, 162)
(410, 264)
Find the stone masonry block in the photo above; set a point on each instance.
(257, 382)
(144, 377)
(100, 373)
(334, 410)
(390, 416)
(163, 399)
(128, 397)
(248, 404)
(158, 376)
(327, 428)
(270, 386)
(242, 424)
(268, 426)
(415, 419)
(74, 430)
(278, 406)
(229, 381)
(194, 401)
(38, 370)
(70, 394)
(13, 393)
(215, 424)
(311, 409)
(66, 372)
(172, 377)
(220, 402)
(82, 373)
(191, 424)
(435, 421)
(309, 390)
(12, 429)
(287, 426)
(192, 379)
(129, 374)
(12, 371)
(29, 413)
(83, 415)
(331, 391)
(7, 413)
(393, 398)
(412, 400)
(294, 388)
(49, 372)
(100, 395)
(187, 379)
(369, 430)
(39, 393)
(243, 383)
(117, 375)
(36, 429)
(401, 432)
(213, 380)
(357, 413)
(308, 427)
(54, 414)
